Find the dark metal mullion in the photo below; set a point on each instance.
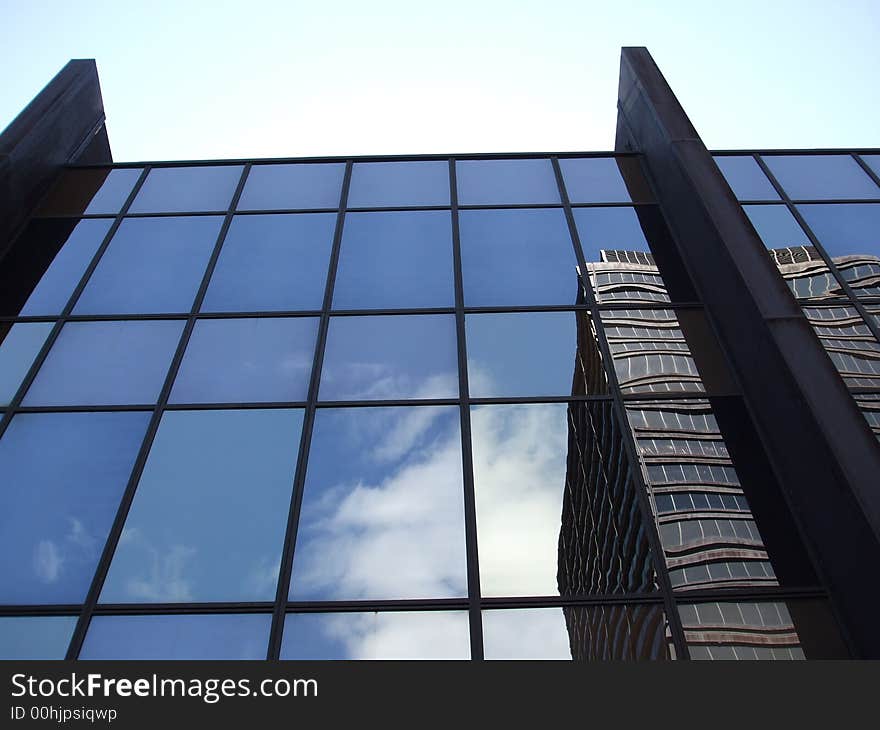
(475, 618)
(65, 313)
(867, 168)
(100, 575)
(832, 267)
(651, 531)
(274, 647)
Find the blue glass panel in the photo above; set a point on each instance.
(112, 195)
(208, 518)
(243, 360)
(179, 189)
(746, 178)
(35, 637)
(272, 263)
(152, 265)
(63, 475)
(106, 363)
(530, 354)
(382, 514)
(776, 226)
(188, 636)
(385, 357)
(383, 184)
(378, 635)
(821, 177)
(19, 345)
(395, 259)
(53, 291)
(517, 257)
(283, 187)
(504, 182)
(873, 161)
(609, 229)
(845, 230)
(599, 180)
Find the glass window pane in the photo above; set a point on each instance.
(301, 185)
(846, 230)
(272, 263)
(19, 345)
(505, 182)
(186, 636)
(599, 180)
(152, 265)
(776, 226)
(106, 363)
(247, 360)
(533, 354)
(389, 357)
(873, 161)
(382, 514)
(553, 517)
(181, 189)
(746, 178)
(792, 630)
(665, 350)
(395, 259)
(383, 184)
(582, 633)
(93, 191)
(821, 177)
(35, 637)
(517, 257)
(609, 229)
(378, 635)
(46, 264)
(63, 477)
(208, 518)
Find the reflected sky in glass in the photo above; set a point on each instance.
(35, 637)
(616, 229)
(152, 265)
(90, 191)
(53, 291)
(525, 353)
(525, 633)
(845, 229)
(519, 454)
(746, 178)
(506, 182)
(106, 363)
(179, 189)
(873, 161)
(389, 357)
(382, 514)
(387, 184)
(821, 177)
(300, 185)
(517, 257)
(382, 635)
(111, 196)
(181, 636)
(19, 346)
(63, 475)
(395, 260)
(208, 518)
(246, 360)
(594, 180)
(776, 226)
(272, 263)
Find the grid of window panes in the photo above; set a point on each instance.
(280, 408)
(819, 216)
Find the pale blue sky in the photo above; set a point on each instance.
(188, 80)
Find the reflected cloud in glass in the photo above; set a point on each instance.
(382, 635)
(382, 514)
(35, 637)
(209, 514)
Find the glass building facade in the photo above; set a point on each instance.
(426, 407)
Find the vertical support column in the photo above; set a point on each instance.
(825, 458)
